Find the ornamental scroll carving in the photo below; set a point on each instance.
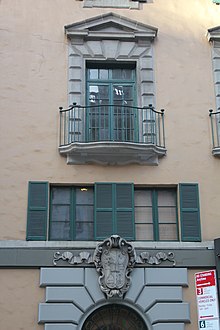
(82, 257)
(114, 259)
(119, 244)
(146, 257)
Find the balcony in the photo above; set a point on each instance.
(215, 128)
(112, 134)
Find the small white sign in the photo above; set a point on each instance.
(207, 300)
(209, 324)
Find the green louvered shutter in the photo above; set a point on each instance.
(189, 212)
(124, 215)
(103, 210)
(114, 210)
(37, 211)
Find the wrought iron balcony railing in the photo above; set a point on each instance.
(112, 123)
(215, 128)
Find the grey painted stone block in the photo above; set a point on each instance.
(166, 276)
(61, 276)
(150, 295)
(169, 312)
(169, 326)
(77, 295)
(61, 326)
(137, 284)
(92, 285)
(58, 313)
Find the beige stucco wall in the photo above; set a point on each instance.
(19, 299)
(34, 84)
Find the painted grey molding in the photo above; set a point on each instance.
(36, 257)
(73, 293)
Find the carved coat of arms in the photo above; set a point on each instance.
(114, 259)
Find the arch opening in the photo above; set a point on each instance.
(114, 317)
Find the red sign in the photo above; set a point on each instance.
(205, 279)
(207, 300)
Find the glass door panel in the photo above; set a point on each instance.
(98, 116)
(111, 116)
(123, 113)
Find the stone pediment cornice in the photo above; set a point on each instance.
(214, 34)
(110, 25)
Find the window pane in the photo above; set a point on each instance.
(60, 231)
(122, 74)
(128, 92)
(103, 74)
(143, 214)
(84, 231)
(142, 198)
(166, 198)
(93, 73)
(168, 232)
(60, 213)
(127, 74)
(144, 232)
(61, 195)
(167, 214)
(84, 195)
(93, 94)
(116, 74)
(84, 213)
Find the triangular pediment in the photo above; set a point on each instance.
(109, 25)
(214, 33)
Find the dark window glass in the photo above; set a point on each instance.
(71, 214)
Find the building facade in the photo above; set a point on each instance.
(110, 150)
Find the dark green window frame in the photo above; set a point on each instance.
(157, 221)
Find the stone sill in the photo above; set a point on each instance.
(207, 245)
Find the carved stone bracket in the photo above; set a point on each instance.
(114, 259)
(82, 257)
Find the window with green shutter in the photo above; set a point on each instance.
(37, 211)
(134, 213)
(189, 212)
(114, 210)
